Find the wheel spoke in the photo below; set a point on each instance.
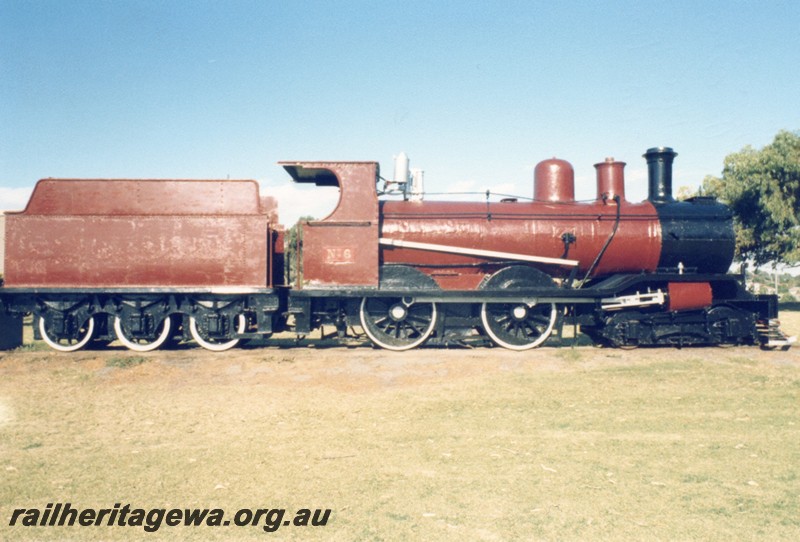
(396, 325)
(541, 319)
(381, 321)
(518, 329)
(534, 331)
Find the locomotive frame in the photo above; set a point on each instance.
(210, 265)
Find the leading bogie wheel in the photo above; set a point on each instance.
(518, 326)
(396, 323)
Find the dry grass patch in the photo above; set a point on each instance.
(559, 444)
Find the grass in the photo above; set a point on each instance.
(123, 362)
(33, 346)
(562, 444)
(585, 443)
(790, 320)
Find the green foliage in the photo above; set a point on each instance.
(294, 238)
(763, 189)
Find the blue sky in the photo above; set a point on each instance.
(475, 92)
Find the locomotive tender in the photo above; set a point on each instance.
(148, 262)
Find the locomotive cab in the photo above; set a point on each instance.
(342, 249)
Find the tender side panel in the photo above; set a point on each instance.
(111, 233)
(92, 251)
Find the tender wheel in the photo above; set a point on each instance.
(214, 344)
(517, 326)
(397, 323)
(68, 344)
(143, 344)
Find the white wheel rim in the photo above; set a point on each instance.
(216, 347)
(518, 347)
(397, 348)
(55, 345)
(142, 347)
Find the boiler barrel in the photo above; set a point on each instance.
(575, 231)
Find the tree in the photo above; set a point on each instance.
(762, 188)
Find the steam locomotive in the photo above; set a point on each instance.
(150, 262)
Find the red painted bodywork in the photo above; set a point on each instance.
(342, 249)
(554, 180)
(610, 180)
(689, 295)
(531, 228)
(142, 233)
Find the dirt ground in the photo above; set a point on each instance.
(479, 444)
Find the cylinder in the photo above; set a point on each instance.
(685, 296)
(659, 173)
(554, 180)
(610, 180)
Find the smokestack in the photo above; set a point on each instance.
(659, 173)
